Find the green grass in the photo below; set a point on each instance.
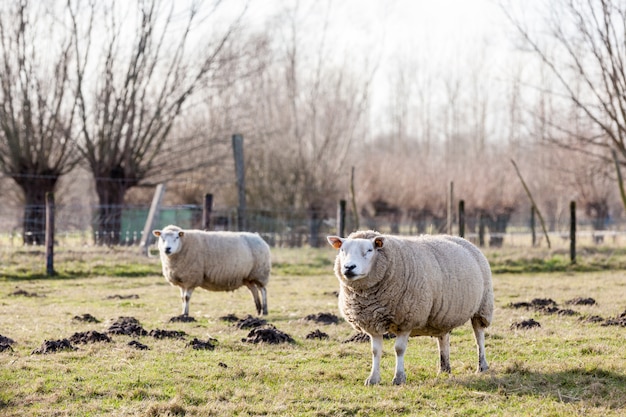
(565, 367)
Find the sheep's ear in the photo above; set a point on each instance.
(181, 233)
(378, 242)
(335, 241)
(157, 233)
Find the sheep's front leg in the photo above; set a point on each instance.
(444, 353)
(479, 334)
(377, 353)
(402, 341)
(185, 295)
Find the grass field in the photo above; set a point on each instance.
(568, 366)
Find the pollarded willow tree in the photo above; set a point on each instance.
(37, 107)
(136, 69)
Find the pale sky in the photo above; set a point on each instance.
(437, 37)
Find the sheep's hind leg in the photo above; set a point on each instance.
(377, 353)
(444, 353)
(402, 341)
(264, 299)
(479, 333)
(185, 295)
(255, 294)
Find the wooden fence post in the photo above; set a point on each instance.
(146, 236)
(241, 184)
(572, 232)
(462, 218)
(532, 226)
(50, 234)
(341, 218)
(206, 211)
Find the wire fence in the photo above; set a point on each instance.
(75, 226)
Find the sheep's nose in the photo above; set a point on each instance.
(168, 250)
(348, 270)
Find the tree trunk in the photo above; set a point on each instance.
(34, 223)
(315, 225)
(107, 225)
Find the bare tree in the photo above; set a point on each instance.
(309, 112)
(132, 91)
(585, 53)
(37, 107)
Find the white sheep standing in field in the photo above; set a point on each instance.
(215, 261)
(419, 286)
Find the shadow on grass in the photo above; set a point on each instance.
(120, 271)
(596, 387)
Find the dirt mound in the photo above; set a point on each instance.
(317, 334)
(6, 340)
(546, 306)
(198, 344)
(536, 303)
(541, 302)
(51, 346)
(525, 324)
(231, 318)
(129, 326)
(357, 338)
(122, 297)
(579, 301)
(363, 337)
(182, 319)
(86, 318)
(567, 312)
(167, 334)
(267, 334)
(591, 319)
(22, 293)
(323, 318)
(521, 304)
(5, 343)
(89, 337)
(617, 321)
(250, 322)
(140, 346)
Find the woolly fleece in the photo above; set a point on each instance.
(218, 261)
(427, 284)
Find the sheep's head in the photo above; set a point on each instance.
(169, 240)
(356, 256)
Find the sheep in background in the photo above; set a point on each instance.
(421, 286)
(215, 261)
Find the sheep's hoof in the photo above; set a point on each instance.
(399, 379)
(445, 370)
(482, 368)
(372, 380)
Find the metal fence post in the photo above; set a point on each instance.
(341, 218)
(206, 211)
(572, 232)
(50, 234)
(241, 184)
